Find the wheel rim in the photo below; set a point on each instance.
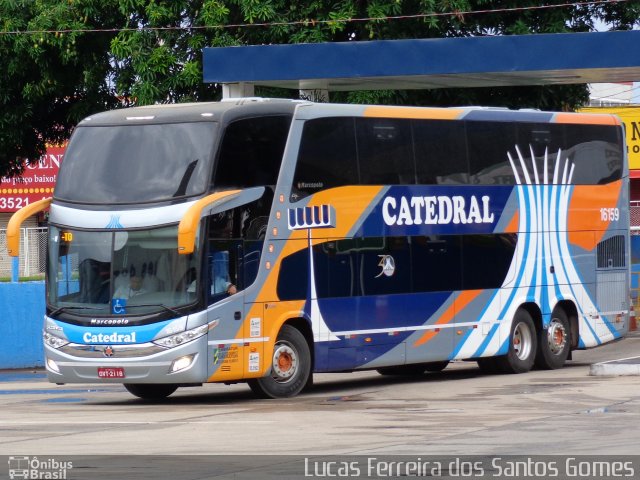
(556, 337)
(522, 339)
(285, 362)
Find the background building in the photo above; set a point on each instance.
(36, 183)
(611, 94)
(623, 99)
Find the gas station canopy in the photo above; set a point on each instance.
(511, 60)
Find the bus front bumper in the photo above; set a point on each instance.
(143, 363)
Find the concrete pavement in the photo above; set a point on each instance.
(619, 366)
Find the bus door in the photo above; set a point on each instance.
(612, 284)
(237, 239)
(254, 327)
(225, 297)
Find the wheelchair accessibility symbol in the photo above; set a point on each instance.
(119, 306)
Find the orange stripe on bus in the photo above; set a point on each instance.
(459, 303)
(587, 118)
(585, 212)
(413, 112)
(425, 338)
(514, 224)
(351, 202)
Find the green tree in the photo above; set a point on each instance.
(65, 59)
(48, 81)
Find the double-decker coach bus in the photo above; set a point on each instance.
(265, 240)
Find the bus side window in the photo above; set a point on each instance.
(335, 265)
(236, 238)
(221, 271)
(293, 279)
(251, 152)
(488, 144)
(251, 254)
(385, 153)
(327, 156)
(385, 268)
(253, 220)
(595, 151)
(486, 260)
(219, 274)
(541, 138)
(437, 263)
(441, 152)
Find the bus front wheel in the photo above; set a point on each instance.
(290, 366)
(436, 366)
(522, 345)
(554, 342)
(152, 392)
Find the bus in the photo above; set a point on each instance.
(262, 241)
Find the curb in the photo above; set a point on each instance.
(623, 367)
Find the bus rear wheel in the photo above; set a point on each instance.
(554, 342)
(153, 392)
(290, 366)
(522, 345)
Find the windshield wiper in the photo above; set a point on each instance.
(168, 309)
(62, 309)
(182, 188)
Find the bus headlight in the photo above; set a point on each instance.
(53, 366)
(53, 341)
(182, 363)
(182, 337)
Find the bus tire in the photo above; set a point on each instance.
(522, 345)
(554, 342)
(488, 365)
(309, 385)
(150, 391)
(436, 366)
(290, 367)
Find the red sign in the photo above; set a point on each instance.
(37, 182)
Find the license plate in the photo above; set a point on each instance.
(110, 372)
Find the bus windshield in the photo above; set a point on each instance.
(136, 163)
(119, 273)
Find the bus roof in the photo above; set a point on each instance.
(474, 113)
(192, 112)
(243, 107)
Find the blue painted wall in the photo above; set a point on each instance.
(21, 325)
(635, 268)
